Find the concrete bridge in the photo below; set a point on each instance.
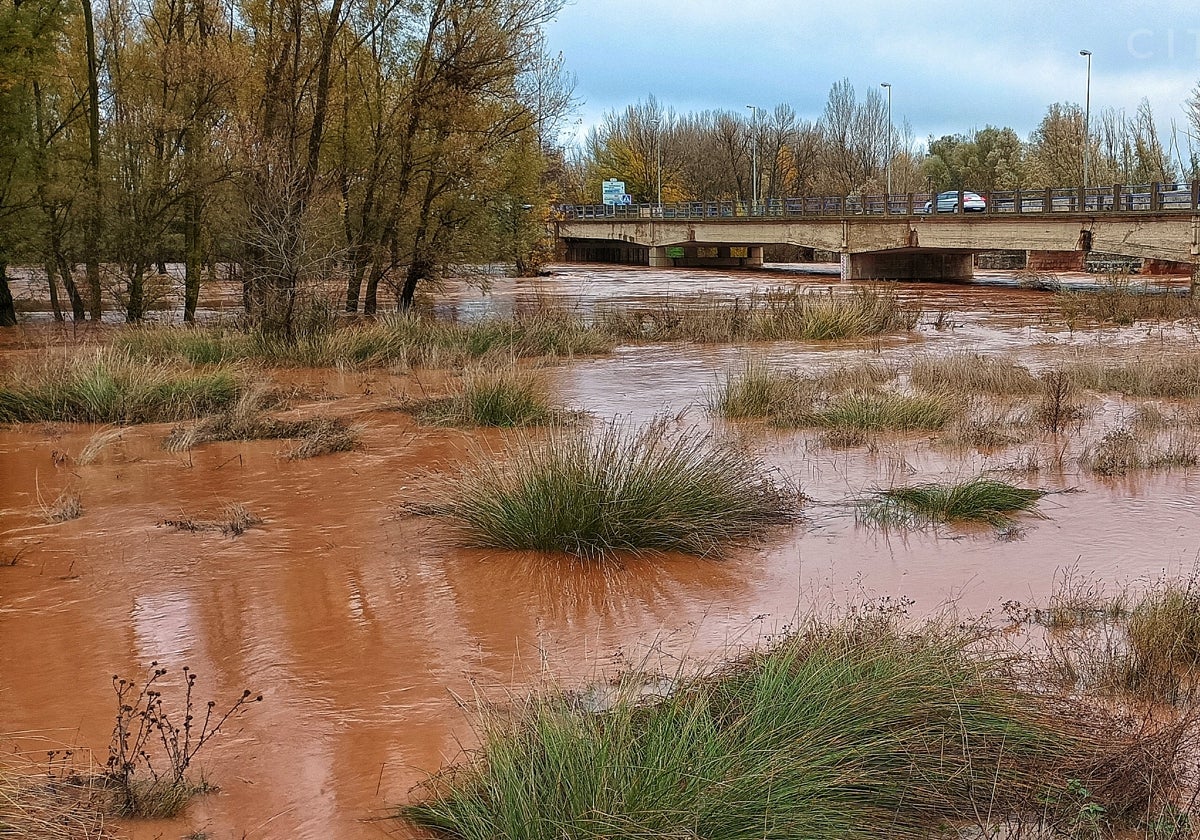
(894, 237)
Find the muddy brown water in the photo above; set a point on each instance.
(371, 632)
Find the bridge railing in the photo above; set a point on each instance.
(1124, 198)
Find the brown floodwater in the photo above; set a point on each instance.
(371, 632)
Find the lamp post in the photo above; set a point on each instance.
(658, 160)
(888, 85)
(754, 159)
(1087, 114)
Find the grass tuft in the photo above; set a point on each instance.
(504, 397)
(848, 731)
(112, 386)
(248, 420)
(590, 493)
(976, 500)
(877, 411)
(235, 519)
(971, 372)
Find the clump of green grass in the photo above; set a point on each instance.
(976, 500)
(111, 386)
(876, 411)
(849, 731)
(590, 493)
(194, 344)
(760, 391)
(248, 419)
(971, 372)
(505, 397)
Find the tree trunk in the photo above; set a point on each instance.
(136, 307)
(192, 267)
(67, 272)
(53, 284)
(8, 311)
(91, 245)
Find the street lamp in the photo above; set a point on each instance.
(888, 85)
(1087, 114)
(754, 158)
(658, 159)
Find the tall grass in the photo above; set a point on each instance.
(505, 397)
(593, 492)
(1173, 375)
(1122, 451)
(971, 372)
(112, 386)
(791, 314)
(975, 500)
(876, 411)
(759, 390)
(1120, 301)
(407, 339)
(849, 731)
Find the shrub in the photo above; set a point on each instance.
(590, 493)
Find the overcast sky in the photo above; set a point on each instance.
(953, 66)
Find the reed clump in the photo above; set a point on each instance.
(1122, 451)
(504, 397)
(784, 314)
(618, 488)
(112, 386)
(1171, 376)
(966, 372)
(1122, 302)
(851, 730)
(875, 411)
(975, 500)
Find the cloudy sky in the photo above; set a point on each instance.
(953, 66)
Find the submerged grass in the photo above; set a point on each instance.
(1121, 301)
(1174, 375)
(759, 390)
(849, 731)
(971, 372)
(504, 397)
(876, 411)
(784, 314)
(248, 419)
(976, 500)
(113, 386)
(1122, 451)
(590, 493)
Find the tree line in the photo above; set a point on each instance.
(289, 142)
(852, 148)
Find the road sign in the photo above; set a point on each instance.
(614, 192)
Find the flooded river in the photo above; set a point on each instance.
(371, 632)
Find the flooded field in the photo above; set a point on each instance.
(371, 632)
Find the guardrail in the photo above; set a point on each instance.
(1148, 198)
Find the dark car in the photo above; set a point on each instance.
(947, 202)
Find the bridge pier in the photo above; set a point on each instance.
(908, 265)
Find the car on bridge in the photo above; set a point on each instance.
(947, 202)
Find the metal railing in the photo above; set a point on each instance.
(1146, 198)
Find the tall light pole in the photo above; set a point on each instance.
(658, 159)
(1087, 114)
(754, 158)
(888, 85)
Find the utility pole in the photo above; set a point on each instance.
(658, 158)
